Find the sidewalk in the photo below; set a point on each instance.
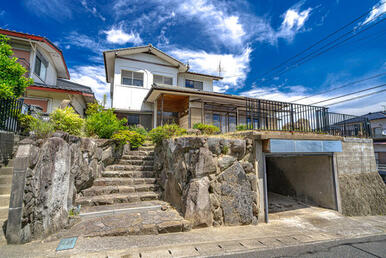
(290, 228)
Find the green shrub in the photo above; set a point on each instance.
(93, 108)
(243, 127)
(42, 129)
(165, 132)
(67, 120)
(225, 149)
(104, 123)
(134, 138)
(138, 129)
(25, 122)
(206, 129)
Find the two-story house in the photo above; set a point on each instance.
(45, 64)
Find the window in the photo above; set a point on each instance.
(194, 84)
(132, 78)
(163, 79)
(133, 119)
(40, 66)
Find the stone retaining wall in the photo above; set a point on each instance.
(210, 180)
(47, 176)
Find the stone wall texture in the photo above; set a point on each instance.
(210, 180)
(49, 174)
(362, 190)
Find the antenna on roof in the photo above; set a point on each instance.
(187, 64)
(219, 68)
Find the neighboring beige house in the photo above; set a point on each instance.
(45, 64)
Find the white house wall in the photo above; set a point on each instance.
(131, 97)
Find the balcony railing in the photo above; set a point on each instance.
(284, 116)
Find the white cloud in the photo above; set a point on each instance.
(94, 77)
(293, 21)
(234, 68)
(118, 36)
(84, 41)
(92, 10)
(377, 10)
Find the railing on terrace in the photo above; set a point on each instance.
(9, 111)
(284, 116)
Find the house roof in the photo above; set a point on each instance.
(55, 53)
(214, 77)
(110, 55)
(66, 86)
(370, 116)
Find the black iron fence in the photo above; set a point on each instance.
(9, 112)
(283, 116)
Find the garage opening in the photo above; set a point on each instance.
(300, 181)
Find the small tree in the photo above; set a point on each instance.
(12, 81)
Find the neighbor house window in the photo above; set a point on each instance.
(163, 79)
(41, 65)
(194, 84)
(132, 78)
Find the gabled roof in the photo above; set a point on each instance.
(370, 116)
(55, 53)
(110, 55)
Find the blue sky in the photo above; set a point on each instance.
(245, 38)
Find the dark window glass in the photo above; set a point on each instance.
(194, 84)
(38, 64)
(132, 119)
(217, 120)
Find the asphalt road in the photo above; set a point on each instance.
(374, 246)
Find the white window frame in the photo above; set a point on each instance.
(42, 60)
(163, 77)
(132, 78)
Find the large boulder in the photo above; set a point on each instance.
(197, 203)
(235, 194)
(205, 164)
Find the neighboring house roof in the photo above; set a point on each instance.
(110, 55)
(370, 116)
(55, 53)
(66, 86)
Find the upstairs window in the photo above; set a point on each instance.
(194, 84)
(163, 79)
(132, 78)
(41, 65)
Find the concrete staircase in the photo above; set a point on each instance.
(130, 180)
(125, 201)
(5, 192)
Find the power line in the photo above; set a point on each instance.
(318, 42)
(315, 53)
(358, 97)
(342, 86)
(345, 95)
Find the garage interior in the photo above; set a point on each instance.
(299, 181)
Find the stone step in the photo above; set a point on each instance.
(127, 208)
(6, 171)
(3, 214)
(136, 162)
(5, 179)
(146, 148)
(106, 181)
(130, 174)
(4, 200)
(141, 153)
(129, 168)
(136, 157)
(5, 188)
(117, 198)
(112, 189)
